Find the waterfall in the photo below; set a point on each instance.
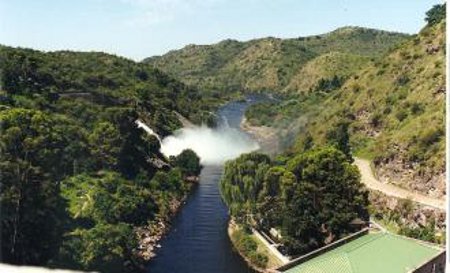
(214, 146)
(149, 130)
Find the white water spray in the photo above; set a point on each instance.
(149, 130)
(213, 146)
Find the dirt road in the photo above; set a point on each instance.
(371, 182)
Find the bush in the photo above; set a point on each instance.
(376, 119)
(258, 259)
(401, 115)
(426, 233)
(248, 247)
(416, 108)
(402, 80)
(431, 136)
(188, 162)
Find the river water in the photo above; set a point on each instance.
(198, 241)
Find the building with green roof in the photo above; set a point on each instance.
(379, 252)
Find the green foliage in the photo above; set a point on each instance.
(77, 173)
(249, 248)
(426, 233)
(261, 114)
(241, 182)
(327, 85)
(329, 194)
(317, 194)
(340, 138)
(104, 247)
(37, 151)
(436, 14)
(108, 198)
(188, 162)
(270, 64)
(401, 115)
(105, 142)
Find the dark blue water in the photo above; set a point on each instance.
(198, 241)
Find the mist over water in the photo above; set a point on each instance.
(213, 146)
(198, 240)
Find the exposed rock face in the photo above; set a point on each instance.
(411, 214)
(150, 235)
(411, 176)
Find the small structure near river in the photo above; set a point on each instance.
(371, 251)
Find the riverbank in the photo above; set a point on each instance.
(261, 249)
(149, 236)
(232, 228)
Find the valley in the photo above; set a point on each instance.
(240, 156)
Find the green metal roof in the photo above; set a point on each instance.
(371, 253)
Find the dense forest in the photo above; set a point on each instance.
(78, 175)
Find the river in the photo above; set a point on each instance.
(198, 241)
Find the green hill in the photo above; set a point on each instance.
(394, 108)
(325, 67)
(396, 111)
(79, 178)
(268, 63)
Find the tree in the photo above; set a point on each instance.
(242, 181)
(188, 162)
(37, 151)
(436, 14)
(66, 120)
(104, 247)
(105, 145)
(312, 199)
(340, 138)
(327, 197)
(108, 198)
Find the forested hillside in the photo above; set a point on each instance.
(394, 109)
(78, 176)
(267, 64)
(82, 185)
(389, 110)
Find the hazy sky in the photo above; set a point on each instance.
(142, 28)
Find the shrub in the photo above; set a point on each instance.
(416, 108)
(188, 161)
(401, 115)
(387, 110)
(376, 119)
(431, 136)
(402, 80)
(248, 247)
(259, 259)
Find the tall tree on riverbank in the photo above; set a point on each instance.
(312, 199)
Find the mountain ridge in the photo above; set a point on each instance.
(266, 63)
